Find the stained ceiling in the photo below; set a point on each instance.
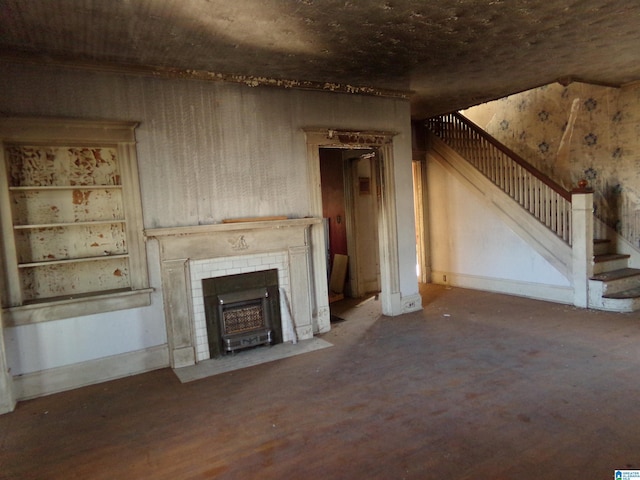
(443, 54)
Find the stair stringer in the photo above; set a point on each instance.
(547, 244)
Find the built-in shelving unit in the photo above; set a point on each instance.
(71, 219)
(68, 218)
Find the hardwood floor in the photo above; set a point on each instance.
(477, 386)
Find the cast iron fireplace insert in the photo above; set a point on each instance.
(242, 311)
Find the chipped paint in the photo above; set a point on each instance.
(257, 81)
(63, 243)
(52, 166)
(45, 207)
(68, 215)
(71, 279)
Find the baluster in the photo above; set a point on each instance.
(543, 205)
(491, 163)
(520, 185)
(505, 174)
(546, 204)
(485, 157)
(516, 181)
(554, 213)
(494, 161)
(566, 217)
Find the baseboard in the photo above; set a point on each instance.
(54, 380)
(538, 291)
(412, 303)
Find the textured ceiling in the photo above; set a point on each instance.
(449, 54)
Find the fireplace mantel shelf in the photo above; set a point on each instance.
(229, 227)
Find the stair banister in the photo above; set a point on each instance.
(544, 198)
(556, 187)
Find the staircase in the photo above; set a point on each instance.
(614, 286)
(611, 284)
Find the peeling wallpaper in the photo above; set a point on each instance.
(577, 132)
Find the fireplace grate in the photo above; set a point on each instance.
(243, 319)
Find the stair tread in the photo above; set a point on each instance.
(610, 256)
(631, 293)
(616, 274)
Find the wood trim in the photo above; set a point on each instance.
(389, 257)
(76, 307)
(59, 130)
(7, 399)
(538, 291)
(227, 227)
(45, 382)
(64, 132)
(11, 292)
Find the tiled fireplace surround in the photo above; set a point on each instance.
(220, 267)
(190, 254)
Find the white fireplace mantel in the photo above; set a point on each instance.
(181, 245)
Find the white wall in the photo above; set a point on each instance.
(473, 247)
(206, 151)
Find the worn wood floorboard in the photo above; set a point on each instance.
(477, 386)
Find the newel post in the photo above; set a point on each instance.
(7, 399)
(582, 242)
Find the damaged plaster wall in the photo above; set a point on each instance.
(576, 132)
(207, 151)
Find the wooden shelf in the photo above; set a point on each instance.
(72, 260)
(67, 224)
(64, 187)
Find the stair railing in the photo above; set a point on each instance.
(545, 199)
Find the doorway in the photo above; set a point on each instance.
(350, 184)
(390, 297)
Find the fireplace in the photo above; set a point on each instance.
(242, 311)
(191, 254)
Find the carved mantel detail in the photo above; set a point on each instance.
(239, 243)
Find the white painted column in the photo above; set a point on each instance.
(7, 399)
(582, 245)
(300, 291)
(177, 313)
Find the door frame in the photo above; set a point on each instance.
(387, 225)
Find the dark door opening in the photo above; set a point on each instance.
(350, 200)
